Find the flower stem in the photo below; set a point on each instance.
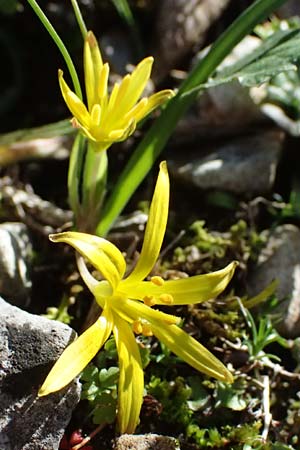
(79, 18)
(49, 27)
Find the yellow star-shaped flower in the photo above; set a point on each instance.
(126, 303)
(110, 118)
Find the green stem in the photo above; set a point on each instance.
(59, 44)
(79, 18)
(151, 146)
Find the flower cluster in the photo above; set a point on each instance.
(127, 303)
(110, 118)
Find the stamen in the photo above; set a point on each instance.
(147, 330)
(149, 300)
(137, 327)
(167, 299)
(158, 281)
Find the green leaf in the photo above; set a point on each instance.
(108, 377)
(199, 396)
(275, 55)
(105, 412)
(230, 397)
(89, 373)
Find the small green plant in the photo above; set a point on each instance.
(99, 385)
(261, 336)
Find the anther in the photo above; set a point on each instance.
(158, 281)
(149, 300)
(167, 299)
(137, 327)
(147, 330)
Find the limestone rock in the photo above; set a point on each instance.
(244, 165)
(15, 255)
(280, 260)
(180, 25)
(29, 345)
(146, 442)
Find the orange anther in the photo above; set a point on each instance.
(147, 330)
(158, 281)
(149, 300)
(137, 327)
(167, 299)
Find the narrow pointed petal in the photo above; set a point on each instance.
(74, 104)
(191, 351)
(138, 81)
(154, 101)
(131, 381)
(186, 291)
(96, 115)
(139, 110)
(133, 87)
(155, 229)
(92, 68)
(77, 355)
(103, 80)
(136, 310)
(102, 254)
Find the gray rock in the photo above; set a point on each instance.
(29, 345)
(146, 442)
(245, 165)
(181, 24)
(290, 8)
(280, 259)
(15, 255)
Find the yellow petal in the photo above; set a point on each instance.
(103, 80)
(186, 291)
(96, 115)
(137, 111)
(131, 380)
(102, 254)
(92, 68)
(74, 104)
(77, 355)
(136, 310)
(132, 88)
(138, 81)
(121, 135)
(191, 351)
(154, 101)
(155, 229)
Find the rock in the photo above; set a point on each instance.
(244, 165)
(29, 345)
(221, 110)
(290, 8)
(280, 260)
(146, 442)
(181, 24)
(15, 256)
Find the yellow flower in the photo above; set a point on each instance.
(110, 118)
(126, 303)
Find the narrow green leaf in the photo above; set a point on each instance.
(60, 128)
(151, 146)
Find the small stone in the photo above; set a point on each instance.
(280, 259)
(15, 258)
(146, 442)
(289, 9)
(182, 24)
(244, 165)
(29, 345)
